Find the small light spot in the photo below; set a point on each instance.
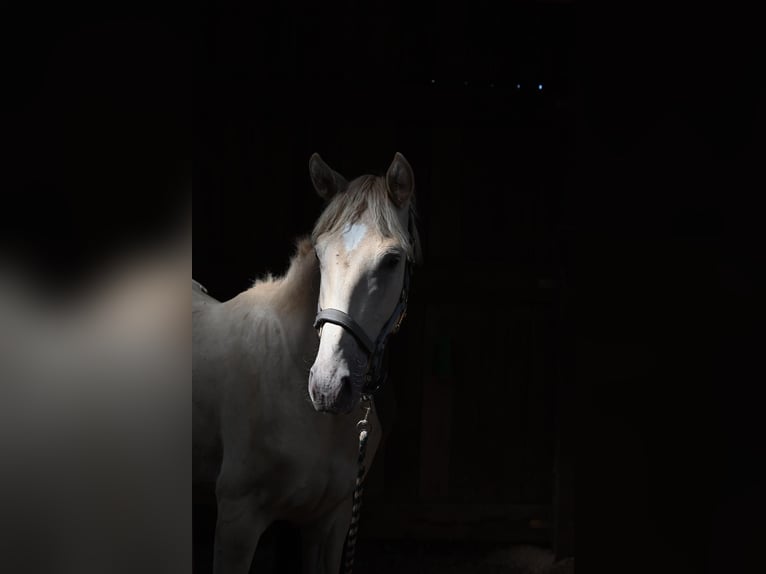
(492, 85)
(539, 87)
(433, 81)
(518, 86)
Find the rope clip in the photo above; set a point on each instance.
(365, 424)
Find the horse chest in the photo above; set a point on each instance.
(310, 477)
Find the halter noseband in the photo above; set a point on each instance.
(376, 351)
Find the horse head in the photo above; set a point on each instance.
(365, 242)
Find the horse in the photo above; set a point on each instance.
(282, 373)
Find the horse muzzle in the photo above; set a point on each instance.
(335, 394)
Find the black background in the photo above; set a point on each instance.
(651, 163)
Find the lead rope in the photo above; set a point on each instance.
(363, 426)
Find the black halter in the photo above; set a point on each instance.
(377, 371)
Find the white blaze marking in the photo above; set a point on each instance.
(352, 235)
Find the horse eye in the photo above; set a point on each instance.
(391, 261)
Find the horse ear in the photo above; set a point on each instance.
(400, 180)
(327, 182)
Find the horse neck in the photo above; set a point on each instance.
(292, 299)
(297, 300)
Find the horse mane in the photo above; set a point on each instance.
(298, 285)
(368, 193)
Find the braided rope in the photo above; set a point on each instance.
(356, 505)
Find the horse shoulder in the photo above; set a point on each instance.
(254, 364)
(257, 337)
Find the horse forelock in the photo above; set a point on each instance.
(367, 195)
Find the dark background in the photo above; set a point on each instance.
(612, 219)
(670, 164)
